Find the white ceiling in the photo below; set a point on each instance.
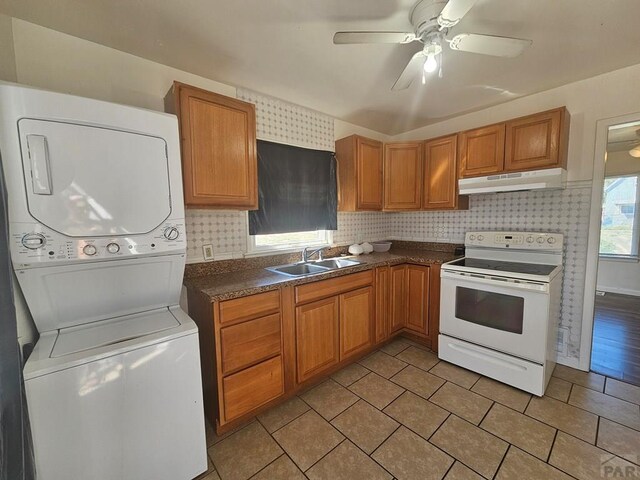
(284, 48)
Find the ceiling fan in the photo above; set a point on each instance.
(431, 20)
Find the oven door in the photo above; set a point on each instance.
(495, 312)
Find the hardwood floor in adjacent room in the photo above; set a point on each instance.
(616, 337)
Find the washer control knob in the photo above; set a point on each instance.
(472, 237)
(540, 240)
(90, 250)
(113, 247)
(480, 238)
(33, 241)
(529, 239)
(551, 240)
(171, 233)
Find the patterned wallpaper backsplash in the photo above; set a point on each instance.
(563, 211)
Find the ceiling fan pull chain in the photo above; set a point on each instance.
(440, 70)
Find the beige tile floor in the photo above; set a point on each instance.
(401, 413)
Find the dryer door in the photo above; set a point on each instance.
(91, 181)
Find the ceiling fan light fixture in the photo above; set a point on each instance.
(431, 51)
(431, 64)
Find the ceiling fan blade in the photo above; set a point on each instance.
(489, 44)
(410, 72)
(453, 12)
(341, 38)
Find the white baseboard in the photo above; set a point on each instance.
(569, 362)
(621, 291)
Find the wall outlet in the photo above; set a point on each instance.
(207, 251)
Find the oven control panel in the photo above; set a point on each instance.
(516, 240)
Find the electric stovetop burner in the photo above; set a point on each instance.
(497, 265)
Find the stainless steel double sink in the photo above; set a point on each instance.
(311, 268)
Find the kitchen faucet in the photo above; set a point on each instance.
(306, 254)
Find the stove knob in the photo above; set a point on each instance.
(480, 238)
(90, 250)
(472, 237)
(529, 239)
(171, 233)
(33, 241)
(540, 240)
(551, 240)
(113, 248)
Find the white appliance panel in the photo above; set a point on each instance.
(89, 181)
(530, 343)
(528, 376)
(69, 295)
(136, 415)
(84, 337)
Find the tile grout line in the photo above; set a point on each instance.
(504, 456)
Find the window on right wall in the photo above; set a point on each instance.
(620, 228)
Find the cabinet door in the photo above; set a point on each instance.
(356, 320)
(382, 314)
(440, 173)
(218, 137)
(402, 176)
(317, 332)
(398, 298)
(369, 174)
(482, 151)
(418, 298)
(537, 141)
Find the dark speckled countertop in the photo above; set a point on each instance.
(224, 286)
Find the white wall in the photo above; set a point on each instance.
(7, 55)
(619, 276)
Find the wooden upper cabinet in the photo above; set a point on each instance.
(537, 141)
(359, 173)
(218, 144)
(482, 151)
(317, 337)
(398, 298)
(356, 321)
(418, 299)
(403, 176)
(440, 186)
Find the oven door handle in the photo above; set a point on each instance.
(496, 281)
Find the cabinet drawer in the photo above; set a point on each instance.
(333, 286)
(250, 388)
(246, 308)
(249, 342)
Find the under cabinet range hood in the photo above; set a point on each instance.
(551, 178)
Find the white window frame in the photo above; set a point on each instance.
(635, 235)
(325, 239)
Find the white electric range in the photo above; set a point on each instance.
(500, 307)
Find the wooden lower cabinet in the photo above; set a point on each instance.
(382, 313)
(356, 315)
(317, 337)
(398, 298)
(418, 299)
(250, 388)
(259, 349)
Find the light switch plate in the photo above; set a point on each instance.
(207, 251)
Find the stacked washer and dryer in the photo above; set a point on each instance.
(98, 246)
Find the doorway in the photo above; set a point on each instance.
(616, 323)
